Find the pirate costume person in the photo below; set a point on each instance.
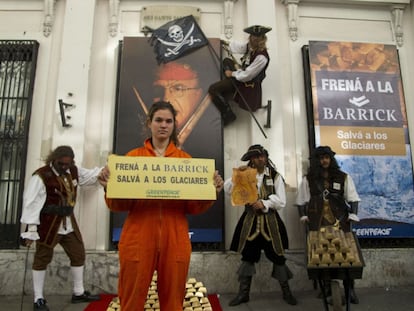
(327, 197)
(260, 226)
(48, 203)
(244, 80)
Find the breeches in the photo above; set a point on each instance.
(224, 88)
(72, 246)
(253, 249)
(135, 279)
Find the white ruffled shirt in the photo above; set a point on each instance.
(350, 195)
(253, 69)
(34, 198)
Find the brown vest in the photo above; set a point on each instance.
(252, 90)
(49, 221)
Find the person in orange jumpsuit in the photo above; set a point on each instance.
(155, 233)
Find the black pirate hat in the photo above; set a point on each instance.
(257, 30)
(254, 150)
(321, 150)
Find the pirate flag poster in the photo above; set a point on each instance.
(176, 38)
(183, 82)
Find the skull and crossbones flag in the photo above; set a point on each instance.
(176, 38)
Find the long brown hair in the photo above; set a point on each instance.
(260, 43)
(60, 152)
(163, 105)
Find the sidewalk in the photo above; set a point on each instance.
(371, 299)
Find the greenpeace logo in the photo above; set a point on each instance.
(373, 231)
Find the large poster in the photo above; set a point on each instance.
(183, 82)
(359, 110)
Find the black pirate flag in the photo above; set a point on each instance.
(176, 38)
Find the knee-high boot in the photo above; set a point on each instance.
(245, 272)
(244, 291)
(224, 107)
(283, 274)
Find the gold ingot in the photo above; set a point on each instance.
(326, 259)
(338, 258)
(189, 295)
(191, 280)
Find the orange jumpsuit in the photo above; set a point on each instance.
(155, 236)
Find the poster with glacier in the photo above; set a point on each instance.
(358, 109)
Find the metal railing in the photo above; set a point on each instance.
(17, 74)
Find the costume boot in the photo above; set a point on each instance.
(287, 294)
(246, 271)
(224, 107)
(283, 274)
(244, 291)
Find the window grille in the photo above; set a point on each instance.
(17, 74)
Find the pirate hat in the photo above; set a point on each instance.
(257, 30)
(321, 150)
(254, 150)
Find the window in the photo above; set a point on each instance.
(17, 73)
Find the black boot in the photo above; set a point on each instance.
(287, 294)
(224, 107)
(244, 291)
(283, 274)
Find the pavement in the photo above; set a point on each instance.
(378, 299)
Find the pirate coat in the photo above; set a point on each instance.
(252, 224)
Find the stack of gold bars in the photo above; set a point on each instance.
(332, 247)
(195, 297)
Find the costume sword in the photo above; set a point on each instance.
(190, 124)
(195, 117)
(24, 276)
(239, 93)
(140, 101)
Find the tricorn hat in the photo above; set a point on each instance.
(321, 150)
(257, 30)
(254, 150)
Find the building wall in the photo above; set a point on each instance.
(78, 63)
(385, 268)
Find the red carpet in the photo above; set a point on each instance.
(215, 302)
(102, 305)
